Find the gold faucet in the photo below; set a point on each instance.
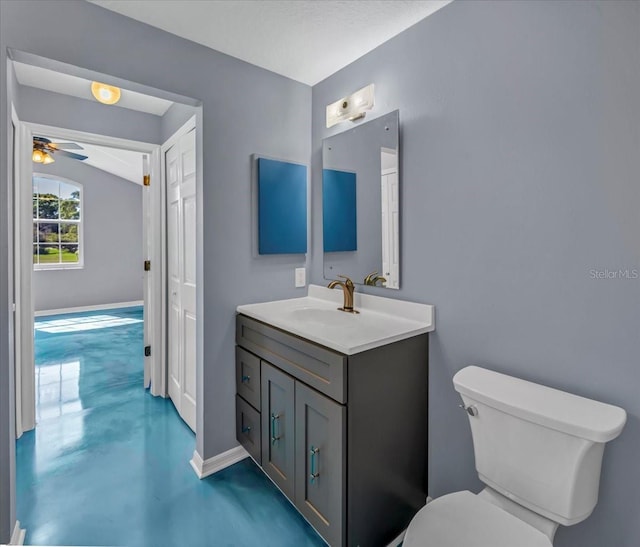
(347, 289)
(373, 279)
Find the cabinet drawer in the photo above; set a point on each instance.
(248, 376)
(315, 365)
(248, 430)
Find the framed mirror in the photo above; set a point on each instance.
(360, 203)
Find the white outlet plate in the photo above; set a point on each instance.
(301, 277)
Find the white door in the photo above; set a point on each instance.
(390, 230)
(181, 275)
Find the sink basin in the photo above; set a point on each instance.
(316, 317)
(325, 317)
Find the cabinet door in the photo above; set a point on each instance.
(248, 428)
(278, 427)
(320, 463)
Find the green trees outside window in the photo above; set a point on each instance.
(56, 223)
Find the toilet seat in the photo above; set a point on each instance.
(463, 519)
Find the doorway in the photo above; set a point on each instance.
(23, 249)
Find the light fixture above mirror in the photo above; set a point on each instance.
(352, 107)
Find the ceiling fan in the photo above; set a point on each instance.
(44, 149)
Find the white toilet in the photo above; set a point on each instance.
(539, 452)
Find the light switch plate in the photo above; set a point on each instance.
(301, 277)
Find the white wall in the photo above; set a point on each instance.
(112, 231)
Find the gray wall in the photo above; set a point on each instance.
(55, 109)
(520, 138)
(174, 118)
(232, 131)
(112, 231)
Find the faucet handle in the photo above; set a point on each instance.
(347, 281)
(370, 279)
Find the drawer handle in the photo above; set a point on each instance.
(274, 437)
(314, 454)
(245, 428)
(245, 379)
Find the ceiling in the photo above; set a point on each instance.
(58, 82)
(306, 40)
(122, 163)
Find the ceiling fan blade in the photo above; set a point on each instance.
(66, 146)
(71, 155)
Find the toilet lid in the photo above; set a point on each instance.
(462, 519)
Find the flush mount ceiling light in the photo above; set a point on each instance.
(106, 94)
(352, 107)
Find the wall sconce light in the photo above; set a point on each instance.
(106, 94)
(352, 107)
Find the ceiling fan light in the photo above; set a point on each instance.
(106, 94)
(48, 158)
(38, 156)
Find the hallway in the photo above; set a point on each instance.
(109, 465)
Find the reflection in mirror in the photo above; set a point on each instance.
(360, 203)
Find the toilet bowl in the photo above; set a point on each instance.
(539, 452)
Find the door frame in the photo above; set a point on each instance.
(154, 230)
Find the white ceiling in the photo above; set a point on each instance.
(306, 40)
(58, 82)
(122, 163)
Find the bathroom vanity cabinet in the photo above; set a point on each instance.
(343, 436)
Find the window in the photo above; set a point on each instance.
(57, 223)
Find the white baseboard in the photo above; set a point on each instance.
(17, 537)
(96, 307)
(204, 468)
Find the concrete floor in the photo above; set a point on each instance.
(108, 464)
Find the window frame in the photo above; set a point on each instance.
(80, 223)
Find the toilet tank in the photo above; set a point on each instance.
(538, 446)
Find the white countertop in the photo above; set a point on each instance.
(316, 318)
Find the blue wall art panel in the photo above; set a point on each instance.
(339, 218)
(282, 207)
